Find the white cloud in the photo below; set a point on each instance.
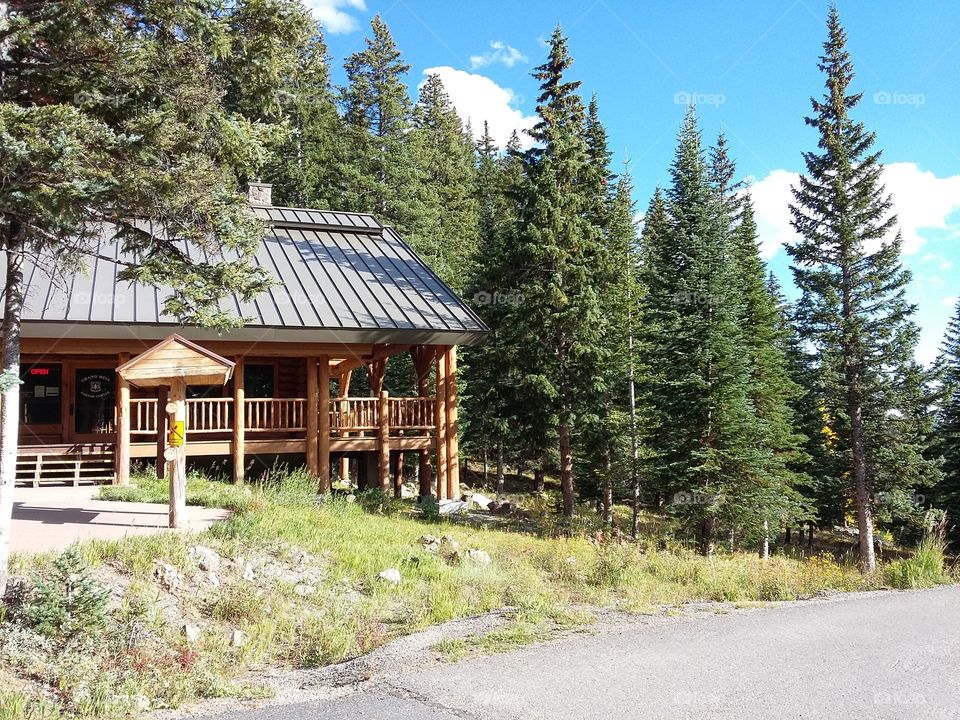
(331, 16)
(477, 98)
(949, 301)
(499, 52)
(942, 263)
(922, 201)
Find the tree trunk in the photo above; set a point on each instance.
(765, 547)
(786, 536)
(566, 468)
(501, 480)
(486, 467)
(868, 559)
(607, 499)
(10, 402)
(539, 484)
(707, 530)
(634, 443)
(810, 534)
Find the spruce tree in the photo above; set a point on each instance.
(555, 330)
(445, 230)
(378, 174)
(853, 308)
(947, 440)
(708, 445)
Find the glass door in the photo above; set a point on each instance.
(94, 401)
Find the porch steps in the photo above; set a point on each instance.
(38, 467)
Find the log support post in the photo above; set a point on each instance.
(239, 423)
(122, 474)
(177, 456)
(440, 421)
(344, 389)
(453, 451)
(422, 357)
(313, 418)
(323, 461)
(383, 442)
(163, 393)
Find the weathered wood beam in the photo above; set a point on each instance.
(422, 360)
(163, 393)
(122, 475)
(313, 417)
(383, 443)
(453, 453)
(238, 441)
(178, 457)
(440, 421)
(323, 463)
(344, 390)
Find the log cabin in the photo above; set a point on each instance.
(347, 295)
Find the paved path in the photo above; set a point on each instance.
(878, 656)
(51, 518)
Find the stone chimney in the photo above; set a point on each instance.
(260, 194)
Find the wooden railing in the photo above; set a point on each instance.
(264, 414)
(143, 416)
(354, 414)
(347, 415)
(209, 415)
(411, 413)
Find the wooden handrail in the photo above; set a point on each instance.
(264, 414)
(347, 414)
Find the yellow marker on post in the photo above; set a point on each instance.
(177, 435)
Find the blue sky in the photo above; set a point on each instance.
(751, 68)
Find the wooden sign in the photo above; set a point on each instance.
(177, 436)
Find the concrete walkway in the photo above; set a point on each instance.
(51, 518)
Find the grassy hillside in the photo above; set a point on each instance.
(289, 582)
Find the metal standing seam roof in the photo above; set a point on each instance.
(340, 277)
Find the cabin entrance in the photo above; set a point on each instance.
(94, 401)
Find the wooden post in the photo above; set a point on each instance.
(122, 475)
(177, 405)
(421, 363)
(323, 462)
(163, 392)
(383, 443)
(239, 422)
(440, 420)
(398, 474)
(313, 417)
(344, 389)
(453, 451)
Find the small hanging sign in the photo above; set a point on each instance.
(177, 436)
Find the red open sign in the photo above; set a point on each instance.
(39, 371)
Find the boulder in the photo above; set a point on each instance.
(430, 544)
(390, 575)
(478, 557)
(192, 633)
(501, 508)
(238, 639)
(248, 573)
(448, 544)
(452, 507)
(481, 501)
(303, 590)
(168, 576)
(206, 558)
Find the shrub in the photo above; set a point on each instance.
(68, 602)
(925, 569)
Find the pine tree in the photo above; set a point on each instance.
(555, 331)
(139, 133)
(445, 230)
(706, 440)
(771, 388)
(377, 170)
(947, 443)
(853, 308)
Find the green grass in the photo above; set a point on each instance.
(924, 569)
(142, 660)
